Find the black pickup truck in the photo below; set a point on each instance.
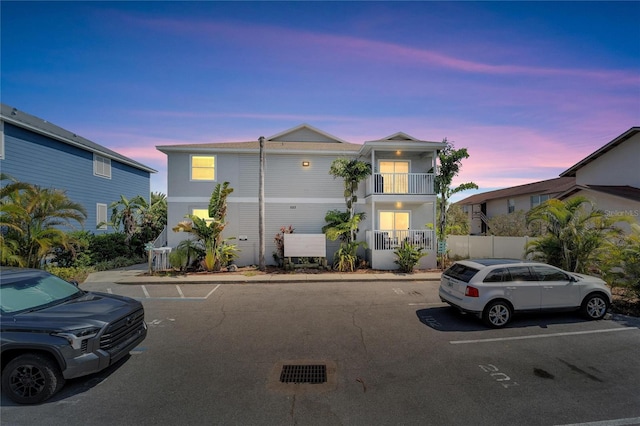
(51, 330)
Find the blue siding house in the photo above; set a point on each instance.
(35, 151)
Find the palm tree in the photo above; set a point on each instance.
(353, 172)
(572, 232)
(128, 214)
(33, 217)
(209, 231)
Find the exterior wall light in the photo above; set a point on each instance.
(305, 164)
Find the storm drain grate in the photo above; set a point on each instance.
(313, 374)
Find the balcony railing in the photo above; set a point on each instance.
(401, 183)
(392, 239)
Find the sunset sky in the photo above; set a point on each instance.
(529, 88)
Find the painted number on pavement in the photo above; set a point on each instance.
(497, 375)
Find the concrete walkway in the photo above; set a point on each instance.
(137, 274)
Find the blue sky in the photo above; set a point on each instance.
(529, 88)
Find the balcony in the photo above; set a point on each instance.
(400, 184)
(392, 239)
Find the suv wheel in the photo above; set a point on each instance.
(497, 314)
(595, 306)
(31, 378)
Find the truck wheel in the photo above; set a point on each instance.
(31, 378)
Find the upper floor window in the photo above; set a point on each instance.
(101, 166)
(511, 205)
(203, 167)
(536, 200)
(395, 176)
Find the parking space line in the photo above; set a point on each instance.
(616, 422)
(540, 336)
(211, 292)
(147, 296)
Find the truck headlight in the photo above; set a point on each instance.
(75, 337)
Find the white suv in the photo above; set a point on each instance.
(493, 289)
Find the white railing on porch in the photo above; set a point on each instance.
(401, 183)
(392, 239)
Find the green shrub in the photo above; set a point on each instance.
(105, 247)
(78, 274)
(408, 256)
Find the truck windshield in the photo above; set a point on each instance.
(32, 292)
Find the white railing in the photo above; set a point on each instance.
(400, 183)
(392, 239)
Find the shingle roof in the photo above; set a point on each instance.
(550, 186)
(27, 121)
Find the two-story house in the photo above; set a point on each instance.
(610, 177)
(398, 199)
(38, 152)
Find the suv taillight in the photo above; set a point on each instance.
(471, 292)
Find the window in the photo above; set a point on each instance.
(544, 273)
(511, 205)
(390, 221)
(101, 166)
(536, 200)
(202, 214)
(395, 176)
(101, 216)
(495, 276)
(203, 167)
(461, 272)
(521, 273)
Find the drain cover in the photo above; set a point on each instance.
(313, 374)
(302, 375)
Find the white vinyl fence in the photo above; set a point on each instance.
(473, 246)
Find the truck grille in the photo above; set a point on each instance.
(121, 330)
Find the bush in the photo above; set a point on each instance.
(78, 274)
(408, 256)
(106, 247)
(78, 254)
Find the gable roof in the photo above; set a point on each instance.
(550, 186)
(608, 147)
(304, 133)
(38, 125)
(623, 191)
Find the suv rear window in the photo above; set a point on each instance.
(461, 272)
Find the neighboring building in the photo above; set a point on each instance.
(398, 199)
(610, 177)
(484, 206)
(35, 151)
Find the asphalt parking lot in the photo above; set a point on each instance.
(394, 354)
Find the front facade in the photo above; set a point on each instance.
(34, 151)
(398, 199)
